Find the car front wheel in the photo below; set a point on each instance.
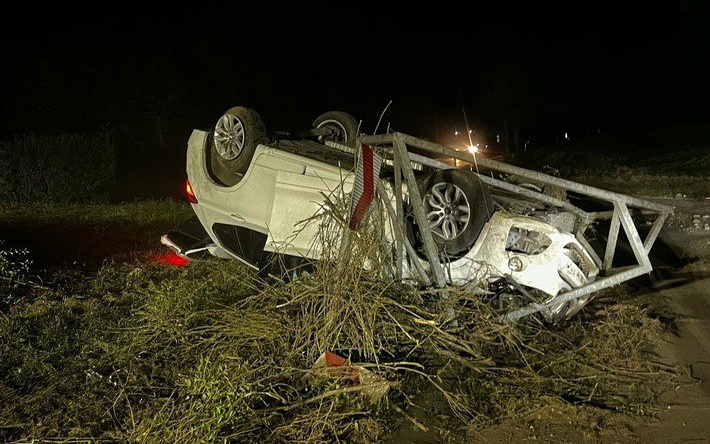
(457, 204)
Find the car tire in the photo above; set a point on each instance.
(457, 204)
(344, 127)
(235, 138)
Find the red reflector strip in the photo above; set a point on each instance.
(368, 170)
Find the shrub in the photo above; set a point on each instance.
(57, 168)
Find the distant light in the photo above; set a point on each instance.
(498, 138)
(566, 136)
(470, 131)
(456, 133)
(473, 149)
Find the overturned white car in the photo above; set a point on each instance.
(257, 195)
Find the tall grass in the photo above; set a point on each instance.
(165, 212)
(58, 168)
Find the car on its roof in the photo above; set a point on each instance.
(258, 195)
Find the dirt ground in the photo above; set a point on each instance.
(685, 410)
(685, 292)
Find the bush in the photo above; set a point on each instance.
(57, 168)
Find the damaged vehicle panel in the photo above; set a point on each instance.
(453, 217)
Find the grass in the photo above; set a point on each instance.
(61, 237)
(651, 164)
(165, 212)
(138, 351)
(149, 353)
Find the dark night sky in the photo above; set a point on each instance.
(594, 65)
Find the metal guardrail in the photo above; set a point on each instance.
(398, 145)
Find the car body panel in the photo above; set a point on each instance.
(278, 194)
(548, 271)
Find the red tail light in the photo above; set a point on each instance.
(190, 193)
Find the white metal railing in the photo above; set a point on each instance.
(396, 147)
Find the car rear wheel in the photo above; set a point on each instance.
(341, 127)
(236, 136)
(457, 204)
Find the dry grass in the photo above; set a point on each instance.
(210, 353)
(195, 355)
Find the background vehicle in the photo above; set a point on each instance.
(258, 196)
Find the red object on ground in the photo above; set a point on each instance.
(331, 365)
(337, 366)
(172, 259)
